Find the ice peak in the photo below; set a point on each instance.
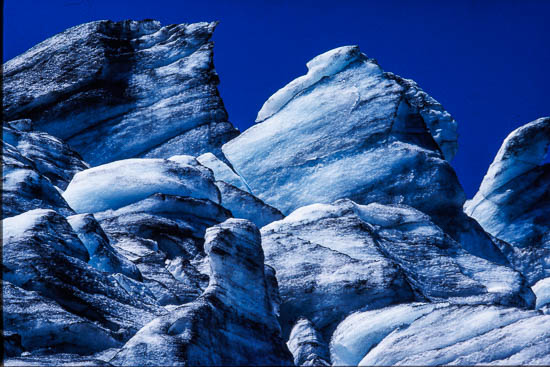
(524, 149)
(335, 59)
(326, 64)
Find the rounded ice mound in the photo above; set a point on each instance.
(116, 184)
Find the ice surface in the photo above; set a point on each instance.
(120, 183)
(357, 132)
(325, 65)
(133, 88)
(512, 202)
(236, 301)
(333, 259)
(46, 220)
(24, 188)
(246, 206)
(43, 255)
(50, 156)
(42, 323)
(164, 236)
(465, 335)
(102, 255)
(376, 255)
(360, 332)
(222, 171)
(307, 345)
(542, 292)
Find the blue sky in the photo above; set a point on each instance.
(487, 62)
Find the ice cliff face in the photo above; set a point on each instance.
(133, 88)
(513, 201)
(164, 251)
(347, 112)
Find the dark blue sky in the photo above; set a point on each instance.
(487, 62)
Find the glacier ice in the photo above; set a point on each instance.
(542, 292)
(246, 206)
(25, 188)
(41, 323)
(361, 331)
(236, 301)
(116, 184)
(42, 254)
(513, 201)
(222, 172)
(397, 139)
(346, 112)
(52, 157)
(36, 166)
(447, 335)
(307, 345)
(164, 236)
(333, 259)
(102, 255)
(322, 66)
(133, 88)
(154, 256)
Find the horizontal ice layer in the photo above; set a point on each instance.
(120, 183)
(133, 88)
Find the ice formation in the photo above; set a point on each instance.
(236, 303)
(346, 112)
(133, 88)
(513, 201)
(116, 184)
(152, 255)
(443, 334)
(334, 259)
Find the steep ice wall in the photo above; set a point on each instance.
(513, 201)
(115, 90)
(44, 257)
